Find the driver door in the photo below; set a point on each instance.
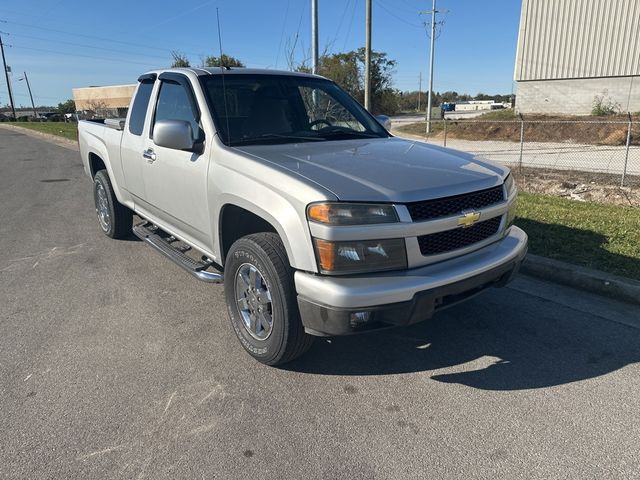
(176, 180)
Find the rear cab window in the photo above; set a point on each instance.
(139, 107)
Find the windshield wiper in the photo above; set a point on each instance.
(275, 136)
(339, 132)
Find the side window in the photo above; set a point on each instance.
(174, 103)
(139, 108)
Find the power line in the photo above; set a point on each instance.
(50, 9)
(353, 14)
(396, 16)
(296, 37)
(344, 14)
(404, 8)
(181, 14)
(65, 54)
(80, 45)
(74, 34)
(284, 25)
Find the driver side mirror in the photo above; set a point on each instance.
(177, 135)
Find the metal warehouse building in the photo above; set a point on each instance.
(572, 51)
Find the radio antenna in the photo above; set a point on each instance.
(224, 88)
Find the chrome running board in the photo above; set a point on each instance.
(199, 269)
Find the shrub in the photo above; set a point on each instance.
(604, 105)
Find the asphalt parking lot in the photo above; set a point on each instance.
(114, 363)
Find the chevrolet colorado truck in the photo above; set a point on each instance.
(316, 219)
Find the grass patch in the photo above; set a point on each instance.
(601, 236)
(502, 114)
(60, 129)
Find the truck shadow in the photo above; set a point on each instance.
(501, 340)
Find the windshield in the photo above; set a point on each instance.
(267, 109)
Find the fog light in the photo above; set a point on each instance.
(357, 319)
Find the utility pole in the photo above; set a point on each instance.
(433, 13)
(314, 36)
(367, 58)
(26, 79)
(419, 90)
(6, 75)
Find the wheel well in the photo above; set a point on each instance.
(235, 223)
(96, 164)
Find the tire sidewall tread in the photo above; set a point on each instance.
(288, 340)
(121, 216)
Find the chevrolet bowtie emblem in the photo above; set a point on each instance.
(469, 219)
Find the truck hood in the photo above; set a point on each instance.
(382, 169)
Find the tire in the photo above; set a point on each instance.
(259, 261)
(115, 219)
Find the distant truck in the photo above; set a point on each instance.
(317, 220)
(470, 109)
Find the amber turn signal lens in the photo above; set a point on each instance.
(319, 212)
(360, 255)
(326, 254)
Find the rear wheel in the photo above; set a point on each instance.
(261, 300)
(114, 219)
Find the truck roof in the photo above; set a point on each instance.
(202, 71)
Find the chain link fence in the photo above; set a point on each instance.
(608, 147)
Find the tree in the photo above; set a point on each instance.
(67, 107)
(180, 60)
(343, 69)
(347, 70)
(95, 108)
(223, 60)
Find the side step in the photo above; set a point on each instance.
(146, 233)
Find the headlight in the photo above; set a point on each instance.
(510, 185)
(360, 255)
(351, 213)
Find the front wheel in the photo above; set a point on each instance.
(261, 300)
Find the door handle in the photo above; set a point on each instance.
(150, 155)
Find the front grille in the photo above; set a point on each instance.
(444, 207)
(449, 240)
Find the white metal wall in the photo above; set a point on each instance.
(578, 39)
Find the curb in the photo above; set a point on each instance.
(595, 281)
(60, 141)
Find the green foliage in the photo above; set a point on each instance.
(223, 60)
(67, 107)
(347, 70)
(180, 60)
(604, 105)
(60, 129)
(594, 235)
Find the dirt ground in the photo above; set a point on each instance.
(579, 186)
(537, 128)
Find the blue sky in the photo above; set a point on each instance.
(68, 43)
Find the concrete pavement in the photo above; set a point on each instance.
(114, 363)
(561, 156)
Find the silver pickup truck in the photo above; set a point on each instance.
(317, 220)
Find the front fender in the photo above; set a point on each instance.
(284, 217)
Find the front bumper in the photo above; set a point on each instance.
(339, 305)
